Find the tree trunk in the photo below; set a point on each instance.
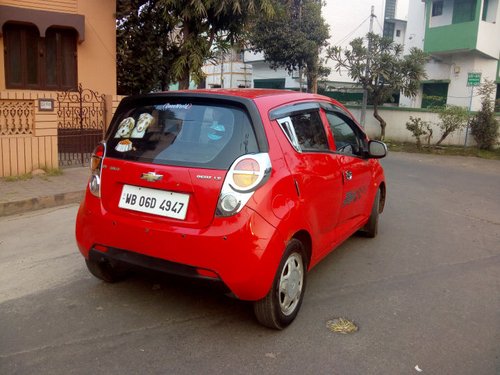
(184, 79)
(445, 134)
(184, 82)
(312, 83)
(312, 71)
(380, 120)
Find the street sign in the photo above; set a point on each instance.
(474, 79)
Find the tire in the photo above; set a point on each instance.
(106, 271)
(370, 229)
(281, 305)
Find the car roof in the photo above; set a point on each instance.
(265, 97)
(248, 93)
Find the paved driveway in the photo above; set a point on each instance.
(425, 293)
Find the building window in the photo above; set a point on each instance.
(33, 62)
(271, 83)
(464, 11)
(389, 30)
(398, 33)
(437, 8)
(434, 94)
(490, 10)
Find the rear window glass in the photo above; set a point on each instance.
(182, 134)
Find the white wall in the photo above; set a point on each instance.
(401, 26)
(396, 126)
(234, 74)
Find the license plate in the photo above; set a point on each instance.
(153, 201)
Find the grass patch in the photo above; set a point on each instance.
(49, 172)
(341, 325)
(443, 150)
(23, 177)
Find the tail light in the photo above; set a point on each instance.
(246, 175)
(95, 169)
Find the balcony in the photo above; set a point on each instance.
(462, 25)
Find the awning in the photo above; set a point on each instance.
(43, 19)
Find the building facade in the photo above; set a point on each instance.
(461, 37)
(229, 71)
(57, 69)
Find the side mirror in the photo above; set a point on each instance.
(376, 149)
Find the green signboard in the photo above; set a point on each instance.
(474, 79)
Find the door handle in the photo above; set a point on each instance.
(348, 175)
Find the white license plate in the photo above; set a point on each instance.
(153, 201)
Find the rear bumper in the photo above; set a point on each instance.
(242, 251)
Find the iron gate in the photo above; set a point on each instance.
(81, 125)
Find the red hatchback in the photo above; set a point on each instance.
(249, 188)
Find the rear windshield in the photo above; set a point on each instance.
(204, 135)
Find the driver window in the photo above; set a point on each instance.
(346, 140)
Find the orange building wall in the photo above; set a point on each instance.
(22, 153)
(97, 53)
(64, 6)
(2, 66)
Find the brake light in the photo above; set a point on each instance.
(97, 155)
(246, 173)
(95, 169)
(245, 176)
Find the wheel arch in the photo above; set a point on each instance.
(305, 238)
(382, 189)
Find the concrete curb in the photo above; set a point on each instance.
(31, 204)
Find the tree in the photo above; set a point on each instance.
(293, 38)
(201, 22)
(389, 71)
(145, 47)
(170, 40)
(452, 119)
(484, 126)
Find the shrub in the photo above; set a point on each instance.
(484, 126)
(416, 126)
(452, 119)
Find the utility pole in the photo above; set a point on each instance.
(367, 71)
(222, 69)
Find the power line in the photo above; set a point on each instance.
(353, 31)
(381, 27)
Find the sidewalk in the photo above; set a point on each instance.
(43, 191)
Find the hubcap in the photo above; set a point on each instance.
(291, 282)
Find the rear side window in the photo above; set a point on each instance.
(204, 135)
(305, 131)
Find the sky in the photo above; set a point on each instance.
(350, 19)
(344, 17)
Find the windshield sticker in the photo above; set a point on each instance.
(166, 107)
(124, 145)
(125, 128)
(145, 120)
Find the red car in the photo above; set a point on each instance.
(249, 188)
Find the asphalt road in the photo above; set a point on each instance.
(425, 294)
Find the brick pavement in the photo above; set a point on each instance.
(43, 191)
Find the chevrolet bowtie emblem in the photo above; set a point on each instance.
(151, 176)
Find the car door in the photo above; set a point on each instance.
(356, 169)
(315, 170)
